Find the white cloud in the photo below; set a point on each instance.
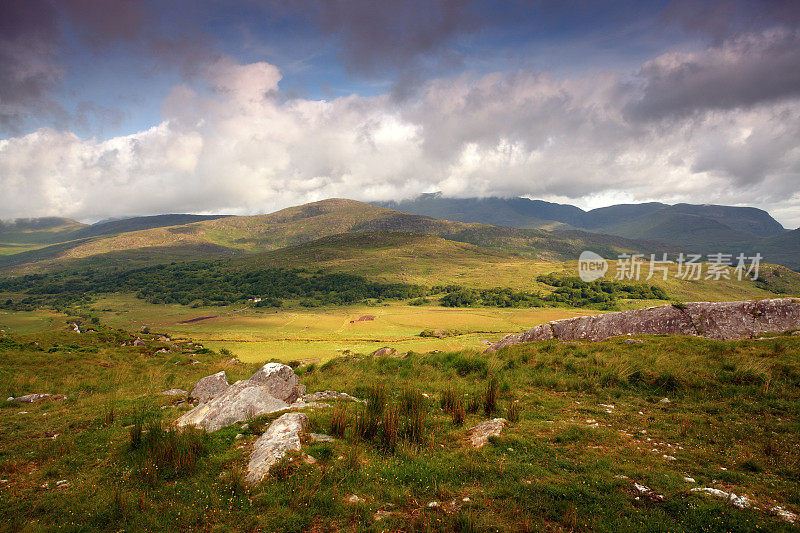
(243, 148)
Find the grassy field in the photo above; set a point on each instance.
(591, 424)
(320, 334)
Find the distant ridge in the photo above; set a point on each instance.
(527, 213)
(139, 223)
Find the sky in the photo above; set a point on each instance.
(114, 108)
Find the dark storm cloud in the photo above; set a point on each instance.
(392, 33)
(103, 21)
(740, 72)
(721, 19)
(28, 69)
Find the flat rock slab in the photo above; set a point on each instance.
(210, 387)
(242, 400)
(327, 395)
(479, 435)
(282, 436)
(280, 380)
(175, 392)
(33, 398)
(714, 320)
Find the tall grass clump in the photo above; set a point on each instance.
(473, 405)
(390, 429)
(167, 453)
(448, 400)
(513, 411)
(490, 398)
(339, 420)
(411, 401)
(458, 412)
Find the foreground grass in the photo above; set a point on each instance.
(568, 463)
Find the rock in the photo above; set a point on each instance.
(785, 514)
(175, 392)
(319, 437)
(280, 437)
(742, 502)
(33, 398)
(353, 499)
(308, 459)
(714, 320)
(632, 341)
(62, 484)
(664, 400)
(139, 342)
(242, 400)
(280, 380)
(210, 387)
(648, 493)
(329, 395)
(479, 435)
(163, 350)
(669, 458)
(385, 351)
(433, 504)
(688, 479)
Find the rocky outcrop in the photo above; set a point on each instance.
(384, 352)
(210, 387)
(280, 380)
(479, 435)
(714, 320)
(282, 436)
(242, 400)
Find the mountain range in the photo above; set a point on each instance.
(704, 229)
(531, 228)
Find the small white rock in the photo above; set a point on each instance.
(688, 479)
(433, 504)
(353, 499)
(664, 400)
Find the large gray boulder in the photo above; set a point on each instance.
(281, 436)
(242, 400)
(210, 387)
(714, 320)
(280, 380)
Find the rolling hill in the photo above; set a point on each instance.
(228, 236)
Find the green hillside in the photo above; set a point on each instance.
(253, 234)
(25, 234)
